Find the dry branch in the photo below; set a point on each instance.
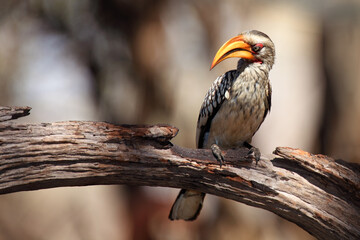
(319, 194)
(9, 113)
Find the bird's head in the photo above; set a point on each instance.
(254, 46)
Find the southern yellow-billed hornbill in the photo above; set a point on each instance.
(233, 109)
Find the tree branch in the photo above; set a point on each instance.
(9, 113)
(319, 194)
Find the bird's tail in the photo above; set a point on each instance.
(187, 205)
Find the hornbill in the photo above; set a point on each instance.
(233, 109)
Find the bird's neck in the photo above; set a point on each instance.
(250, 71)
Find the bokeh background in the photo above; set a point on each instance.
(147, 62)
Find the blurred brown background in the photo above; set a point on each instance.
(148, 62)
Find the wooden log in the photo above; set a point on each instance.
(320, 194)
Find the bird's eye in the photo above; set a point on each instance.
(257, 47)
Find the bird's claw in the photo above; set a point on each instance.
(216, 151)
(254, 153)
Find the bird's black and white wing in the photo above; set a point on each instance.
(268, 99)
(218, 92)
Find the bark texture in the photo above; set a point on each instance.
(320, 194)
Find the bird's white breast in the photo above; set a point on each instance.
(240, 115)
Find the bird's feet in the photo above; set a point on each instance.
(217, 154)
(253, 153)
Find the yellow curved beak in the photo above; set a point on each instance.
(235, 47)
